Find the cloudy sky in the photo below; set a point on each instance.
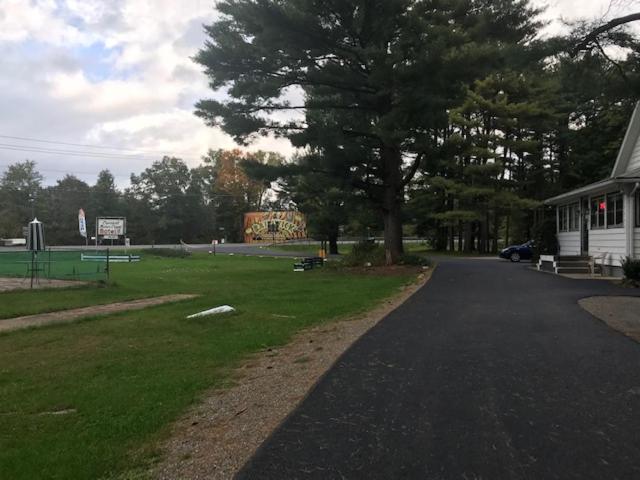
(118, 74)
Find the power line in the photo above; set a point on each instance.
(75, 172)
(72, 153)
(85, 145)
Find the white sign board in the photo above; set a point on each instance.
(111, 228)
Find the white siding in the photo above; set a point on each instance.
(569, 243)
(636, 243)
(610, 242)
(634, 160)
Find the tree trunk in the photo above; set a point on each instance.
(496, 231)
(393, 235)
(507, 233)
(392, 200)
(452, 244)
(482, 244)
(333, 243)
(468, 237)
(441, 238)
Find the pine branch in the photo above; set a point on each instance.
(591, 37)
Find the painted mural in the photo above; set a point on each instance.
(267, 227)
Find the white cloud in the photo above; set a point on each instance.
(114, 73)
(37, 20)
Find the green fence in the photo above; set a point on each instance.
(54, 264)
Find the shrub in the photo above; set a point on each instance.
(631, 269)
(167, 252)
(364, 253)
(415, 260)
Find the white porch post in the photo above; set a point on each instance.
(629, 218)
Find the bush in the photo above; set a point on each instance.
(167, 252)
(370, 253)
(415, 260)
(545, 240)
(365, 253)
(631, 269)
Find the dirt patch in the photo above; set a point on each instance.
(620, 313)
(67, 316)
(216, 438)
(11, 284)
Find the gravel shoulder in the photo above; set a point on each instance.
(217, 437)
(620, 313)
(12, 284)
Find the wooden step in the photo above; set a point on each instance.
(573, 264)
(573, 258)
(573, 270)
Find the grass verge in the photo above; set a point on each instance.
(92, 399)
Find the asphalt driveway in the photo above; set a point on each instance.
(491, 371)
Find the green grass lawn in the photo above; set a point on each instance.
(124, 378)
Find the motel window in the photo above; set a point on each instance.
(598, 209)
(569, 218)
(574, 217)
(615, 210)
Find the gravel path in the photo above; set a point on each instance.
(67, 316)
(620, 313)
(11, 284)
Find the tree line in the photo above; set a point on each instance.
(166, 203)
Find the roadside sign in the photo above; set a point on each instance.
(111, 228)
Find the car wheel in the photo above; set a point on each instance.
(515, 257)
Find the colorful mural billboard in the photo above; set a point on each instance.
(274, 227)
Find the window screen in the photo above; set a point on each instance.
(598, 209)
(615, 210)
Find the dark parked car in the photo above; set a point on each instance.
(515, 253)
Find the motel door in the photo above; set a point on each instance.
(584, 226)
